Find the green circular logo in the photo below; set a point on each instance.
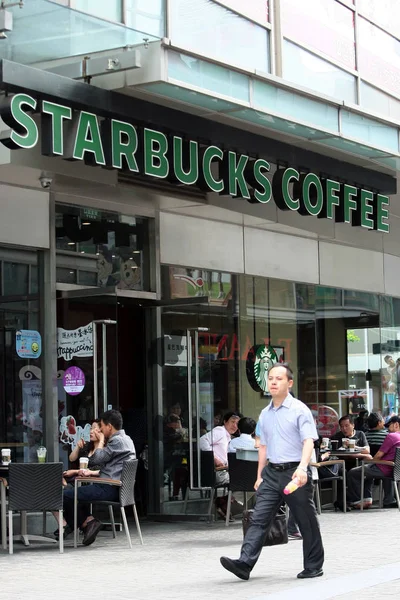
(259, 360)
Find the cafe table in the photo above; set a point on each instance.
(247, 454)
(23, 536)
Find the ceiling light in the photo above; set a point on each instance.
(86, 223)
(71, 243)
(136, 252)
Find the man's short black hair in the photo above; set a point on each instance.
(374, 419)
(247, 425)
(286, 366)
(232, 413)
(347, 418)
(112, 417)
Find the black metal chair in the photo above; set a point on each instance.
(126, 498)
(395, 478)
(208, 480)
(318, 482)
(3, 503)
(242, 477)
(35, 487)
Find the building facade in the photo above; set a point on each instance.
(191, 191)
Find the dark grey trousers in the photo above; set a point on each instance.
(371, 472)
(269, 497)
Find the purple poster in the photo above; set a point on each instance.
(73, 381)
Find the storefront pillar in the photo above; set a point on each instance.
(48, 327)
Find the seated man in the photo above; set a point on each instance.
(386, 452)
(110, 459)
(376, 433)
(347, 430)
(218, 440)
(245, 441)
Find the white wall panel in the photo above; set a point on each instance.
(391, 271)
(193, 242)
(350, 268)
(24, 217)
(270, 254)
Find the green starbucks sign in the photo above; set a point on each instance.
(259, 361)
(113, 143)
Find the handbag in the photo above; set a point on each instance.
(276, 533)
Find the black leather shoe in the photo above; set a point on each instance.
(237, 567)
(310, 573)
(90, 532)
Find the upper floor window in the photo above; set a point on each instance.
(325, 25)
(209, 29)
(146, 15)
(256, 9)
(110, 10)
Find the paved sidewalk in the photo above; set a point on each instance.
(181, 560)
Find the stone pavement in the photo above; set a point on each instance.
(181, 560)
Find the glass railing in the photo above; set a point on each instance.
(44, 31)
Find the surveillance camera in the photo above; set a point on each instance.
(45, 182)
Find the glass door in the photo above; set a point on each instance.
(199, 377)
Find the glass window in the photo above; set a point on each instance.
(379, 56)
(208, 76)
(256, 9)
(214, 31)
(15, 279)
(308, 70)
(385, 13)
(110, 10)
(111, 247)
(379, 102)
(146, 15)
(324, 25)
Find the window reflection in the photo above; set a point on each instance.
(110, 10)
(324, 25)
(308, 70)
(379, 56)
(209, 29)
(146, 15)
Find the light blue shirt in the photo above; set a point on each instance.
(284, 429)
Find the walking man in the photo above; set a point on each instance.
(287, 434)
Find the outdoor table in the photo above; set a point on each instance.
(247, 454)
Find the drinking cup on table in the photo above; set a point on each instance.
(352, 445)
(5, 456)
(83, 462)
(345, 442)
(41, 454)
(334, 444)
(325, 443)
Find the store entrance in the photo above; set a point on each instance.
(101, 339)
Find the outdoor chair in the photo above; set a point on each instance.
(126, 498)
(3, 508)
(395, 478)
(242, 477)
(35, 487)
(208, 479)
(334, 481)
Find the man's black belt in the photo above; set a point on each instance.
(284, 466)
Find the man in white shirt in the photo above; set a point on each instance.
(245, 441)
(218, 440)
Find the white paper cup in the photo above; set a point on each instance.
(5, 456)
(83, 462)
(352, 444)
(345, 442)
(325, 442)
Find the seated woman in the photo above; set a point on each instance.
(82, 449)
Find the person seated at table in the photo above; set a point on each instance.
(245, 440)
(376, 433)
(373, 471)
(218, 440)
(347, 430)
(84, 450)
(110, 458)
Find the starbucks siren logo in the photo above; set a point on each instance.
(259, 360)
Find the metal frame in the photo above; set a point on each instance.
(103, 323)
